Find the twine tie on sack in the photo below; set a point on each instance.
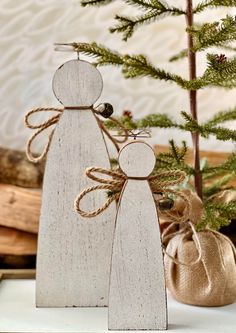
(159, 183)
(54, 120)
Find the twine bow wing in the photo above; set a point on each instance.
(54, 120)
(40, 128)
(159, 183)
(114, 185)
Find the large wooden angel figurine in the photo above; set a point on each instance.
(74, 254)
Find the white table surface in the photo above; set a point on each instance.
(19, 314)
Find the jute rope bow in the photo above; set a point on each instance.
(54, 120)
(159, 183)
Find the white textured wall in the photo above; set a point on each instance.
(29, 29)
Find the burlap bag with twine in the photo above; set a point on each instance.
(200, 266)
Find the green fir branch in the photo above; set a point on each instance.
(213, 34)
(85, 3)
(218, 185)
(103, 55)
(127, 25)
(221, 133)
(182, 54)
(228, 166)
(153, 10)
(222, 117)
(219, 73)
(213, 3)
(132, 66)
(217, 215)
(160, 120)
(174, 158)
(139, 66)
(150, 5)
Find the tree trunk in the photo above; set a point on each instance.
(193, 101)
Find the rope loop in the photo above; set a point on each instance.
(40, 128)
(54, 120)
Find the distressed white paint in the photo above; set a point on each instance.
(74, 253)
(137, 298)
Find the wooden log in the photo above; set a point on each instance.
(9, 261)
(16, 242)
(20, 207)
(15, 169)
(6, 274)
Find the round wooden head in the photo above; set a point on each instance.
(77, 83)
(137, 159)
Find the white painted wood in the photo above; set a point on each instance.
(137, 299)
(18, 314)
(74, 253)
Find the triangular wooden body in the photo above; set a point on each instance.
(137, 299)
(74, 253)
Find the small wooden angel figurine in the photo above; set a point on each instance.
(137, 297)
(74, 254)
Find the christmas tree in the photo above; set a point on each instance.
(220, 71)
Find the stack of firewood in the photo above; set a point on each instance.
(20, 199)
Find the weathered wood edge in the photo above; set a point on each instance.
(9, 274)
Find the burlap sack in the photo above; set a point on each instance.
(211, 281)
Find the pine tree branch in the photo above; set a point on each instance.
(217, 215)
(156, 5)
(221, 133)
(182, 54)
(213, 34)
(218, 185)
(220, 73)
(152, 120)
(103, 55)
(153, 9)
(157, 120)
(174, 159)
(228, 166)
(213, 3)
(132, 66)
(85, 3)
(127, 25)
(222, 117)
(139, 66)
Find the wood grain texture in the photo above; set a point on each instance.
(6, 274)
(16, 242)
(74, 253)
(15, 169)
(20, 207)
(137, 298)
